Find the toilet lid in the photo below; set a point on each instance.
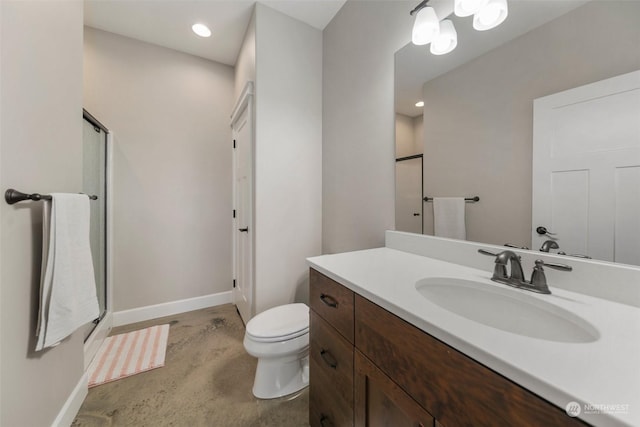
(281, 323)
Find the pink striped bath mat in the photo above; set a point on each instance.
(128, 354)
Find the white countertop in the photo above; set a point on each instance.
(603, 372)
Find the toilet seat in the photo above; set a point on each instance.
(279, 323)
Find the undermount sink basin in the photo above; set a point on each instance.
(507, 309)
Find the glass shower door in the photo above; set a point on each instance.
(94, 160)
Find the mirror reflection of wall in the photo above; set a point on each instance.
(409, 135)
(478, 117)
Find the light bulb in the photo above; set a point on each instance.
(426, 27)
(201, 30)
(420, 104)
(447, 39)
(491, 15)
(468, 7)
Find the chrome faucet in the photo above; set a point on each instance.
(513, 259)
(549, 244)
(515, 278)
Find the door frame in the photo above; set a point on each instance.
(104, 326)
(244, 102)
(421, 157)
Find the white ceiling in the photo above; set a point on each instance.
(415, 65)
(168, 22)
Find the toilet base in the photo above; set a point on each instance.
(277, 377)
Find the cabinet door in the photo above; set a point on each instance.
(379, 402)
(331, 370)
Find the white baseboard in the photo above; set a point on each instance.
(71, 407)
(149, 312)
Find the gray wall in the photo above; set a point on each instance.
(409, 135)
(404, 136)
(479, 117)
(358, 122)
(40, 151)
(245, 69)
(169, 113)
(288, 156)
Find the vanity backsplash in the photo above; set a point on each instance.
(612, 281)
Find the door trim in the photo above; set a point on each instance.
(416, 156)
(245, 102)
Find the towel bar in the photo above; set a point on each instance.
(467, 199)
(12, 196)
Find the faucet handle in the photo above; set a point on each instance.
(575, 255)
(511, 245)
(539, 280)
(486, 252)
(561, 267)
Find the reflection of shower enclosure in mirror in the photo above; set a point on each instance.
(94, 181)
(409, 194)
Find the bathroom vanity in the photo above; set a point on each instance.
(383, 351)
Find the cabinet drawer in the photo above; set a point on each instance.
(333, 302)
(331, 370)
(455, 389)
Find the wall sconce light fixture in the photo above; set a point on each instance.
(447, 40)
(442, 35)
(426, 26)
(490, 15)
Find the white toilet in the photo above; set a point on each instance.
(279, 338)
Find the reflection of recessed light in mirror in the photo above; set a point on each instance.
(420, 104)
(201, 30)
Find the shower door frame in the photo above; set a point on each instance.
(402, 159)
(105, 321)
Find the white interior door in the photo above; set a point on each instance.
(586, 169)
(409, 195)
(242, 130)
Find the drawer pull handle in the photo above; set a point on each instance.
(329, 300)
(325, 421)
(329, 359)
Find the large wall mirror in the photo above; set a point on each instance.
(474, 136)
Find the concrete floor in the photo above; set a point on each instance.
(206, 381)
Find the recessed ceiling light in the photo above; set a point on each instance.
(201, 30)
(420, 104)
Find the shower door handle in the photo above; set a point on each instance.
(243, 230)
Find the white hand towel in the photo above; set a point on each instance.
(68, 288)
(448, 217)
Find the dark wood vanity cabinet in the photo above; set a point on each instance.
(378, 370)
(331, 349)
